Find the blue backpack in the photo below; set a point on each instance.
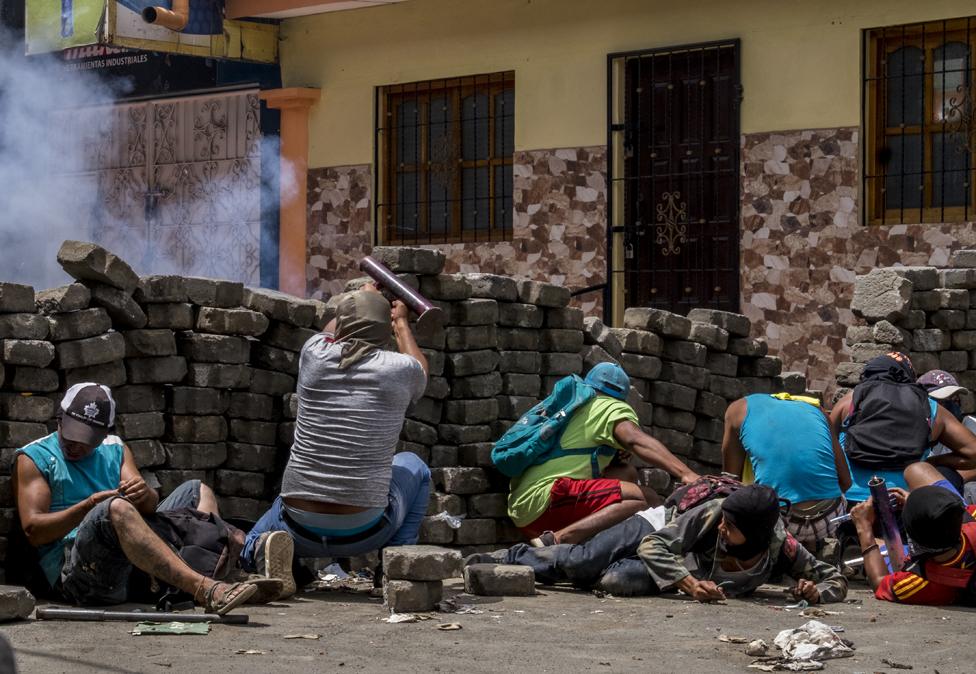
(535, 438)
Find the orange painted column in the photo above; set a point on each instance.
(294, 104)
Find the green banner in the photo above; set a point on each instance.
(54, 25)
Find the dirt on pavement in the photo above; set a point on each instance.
(559, 630)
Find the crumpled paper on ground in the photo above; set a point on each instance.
(812, 641)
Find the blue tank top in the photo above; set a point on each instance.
(789, 445)
(72, 482)
(860, 475)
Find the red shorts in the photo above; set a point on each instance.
(571, 500)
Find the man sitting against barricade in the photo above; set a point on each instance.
(84, 506)
(584, 484)
(944, 389)
(787, 444)
(344, 492)
(722, 547)
(942, 534)
(888, 422)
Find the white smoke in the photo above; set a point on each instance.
(48, 192)
(37, 211)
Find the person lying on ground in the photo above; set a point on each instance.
(344, 491)
(944, 389)
(789, 446)
(568, 498)
(83, 505)
(942, 535)
(888, 422)
(720, 548)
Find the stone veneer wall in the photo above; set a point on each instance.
(559, 233)
(803, 244)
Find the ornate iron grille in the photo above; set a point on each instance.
(674, 175)
(445, 151)
(918, 117)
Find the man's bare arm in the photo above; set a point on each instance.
(733, 453)
(142, 496)
(634, 440)
(404, 335)
(34, 504)
(951, 433)
(844, 479)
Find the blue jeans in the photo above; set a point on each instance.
(409, 494)
(608, 561)
(96, 570)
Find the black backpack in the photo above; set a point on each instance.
(889, 426)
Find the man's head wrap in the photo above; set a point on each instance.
(933, 519)
(893, 366)
(754, 511)
(362, 325)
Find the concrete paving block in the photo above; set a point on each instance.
(137, 398)
(18, 407)
(90, 351)
(479, 386)
(566, 341)
(31, 379)
(736, 325)
(515, 384)
(280, 306)
(688, 375)
(542, 294)
(160, 288)
(421, 562)
(518, 339)
(442, 456)
(251, 457)
(26, 352)
(712, 336)
(198, 400)
(561, 364)
(149, 342)
(459, 338)
(449, 503)
(426, 410)
(16, 298)
(468, 363)
(462, 434)
(140, 425)
(407, 596)
(488, 505)
(23, 326)
(244, 405)
(596, 333)
(239, 483)
(673, 395)
(111, 374)
(87, 261)
(242, 322)
(458, 480)
(674, 419)
(445, 287)
(207, 348)
(689, 353)
(124, 311)
(271, 383)
(747, 346)
(78, 324)
(253, 432)
(881, 294)
(16, 603)
(470, 411)
(726, 387)
(195, 455)
(197, 429)
(286, 336)
(162, 370)
(148, 453)
(499, 580)
(435, 532)
(71, 297)
(638, 341)
(419, 432)
(657, 320)
(481, 531)
(645, 367)
(407, 260)
(175, 316)
(474, 312)
(210, 292)
(518, 315)
(218, 375)
(492, 286)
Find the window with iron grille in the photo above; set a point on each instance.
(920, 130)
(445, 160)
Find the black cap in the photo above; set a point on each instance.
(933, 519)
(87, 413)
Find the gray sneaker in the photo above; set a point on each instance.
(273, 558)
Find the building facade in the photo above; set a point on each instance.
(707, 153)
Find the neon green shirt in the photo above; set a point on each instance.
(591, 426)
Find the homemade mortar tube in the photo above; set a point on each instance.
(387, 280)
(889, 525)
(101, 615)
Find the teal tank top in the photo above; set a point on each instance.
(790, 447)
(72, 482)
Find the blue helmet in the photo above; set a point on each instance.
(610, 379)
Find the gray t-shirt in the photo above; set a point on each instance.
(348, 424)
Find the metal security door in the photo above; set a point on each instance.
(676, 128)
(173, 186)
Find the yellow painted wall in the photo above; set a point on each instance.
(800, 59)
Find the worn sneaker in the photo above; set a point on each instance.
(543, 540)
(273, 558)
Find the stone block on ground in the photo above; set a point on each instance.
(499, 580)
(140, 425)
(595, 332)
(518, 339)
(639, 341)
(218, 375)
(149, 342)
(197, 429)
(17, 407)
(474, 312)
(253, 432)
(111, 374)
(657, 320)
(481, 531)
(26, 352)
(712, 336)
(435, 531)
(16, 603)
(87, 261)
(492, 286)
(71, 297)
(249, 509)
(922, 278)
(251, 457)
(271, 358)
(565, 341)
(561, 364)
(90, 351)
(175, 316)
(407, 596)
(747, 346)
(147, 453)
(673, 395)
(471, 411)
(286, 336)
(20, 433)
(736, 325)
(446, 288)
(459, 338)
(239, 483)
(206, 348)
(198, 400)
(271, 383)
(542, 294)
(421, 562)
(644, 367)
(280, 306)
(32, 379)
(16, 298)
(195, 455)
(458, 480)
(468, 363)
(479, 386)
(517, 315)
(568, 318)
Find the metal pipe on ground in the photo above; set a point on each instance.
(102, 615)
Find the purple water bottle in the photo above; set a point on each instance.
(67, 18)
